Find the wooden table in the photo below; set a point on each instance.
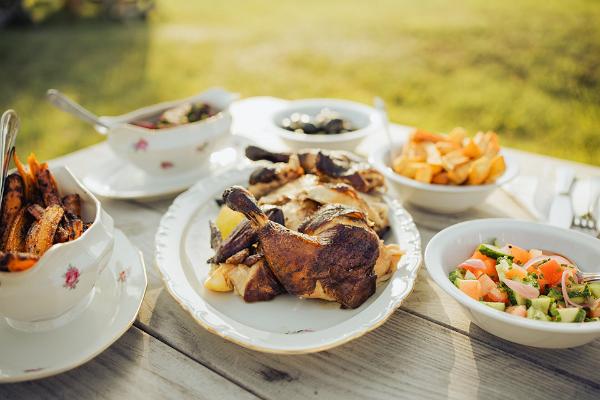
(427, 349)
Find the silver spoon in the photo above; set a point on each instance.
(380, 106)
(9, 127)
(66, 104)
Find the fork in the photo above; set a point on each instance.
(586, 277)
(587, 221)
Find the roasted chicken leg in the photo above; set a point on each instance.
(332, 257)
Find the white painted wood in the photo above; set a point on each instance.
(137, 366)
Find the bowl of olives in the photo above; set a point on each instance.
(325, 123)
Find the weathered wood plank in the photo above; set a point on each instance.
(137, 366)
(408, 357)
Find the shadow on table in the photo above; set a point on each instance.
(580, 359)
(406, 357)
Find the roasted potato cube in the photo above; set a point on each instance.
(446, 147)
(460, 174)
(471, 149)
(423, 136)
(434, 157)
(218, 280)
(451, 160)
(417, 152)
(496, 169)
(441, 178)
(457, 135)
(424, 173)
(480, 169)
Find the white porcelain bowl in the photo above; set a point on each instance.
(443, 199)
(364, 119)
(63, 278)
(455, 244)
(176, 149)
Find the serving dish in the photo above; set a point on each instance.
(117, 297)
(443, 199)
(363, 119)
(172, 149)
(286, 324)
(59, 285)
(454, 244)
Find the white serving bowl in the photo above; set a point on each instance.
(48, 294)
(443, 199)
(365, 119)
(455, 244)
(176, 149)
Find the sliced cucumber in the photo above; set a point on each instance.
(571, 314)
(553, 309)
(534, 313)
(493, 251)
(542, 304)
(595, 289)
(515, 298)
(496, 305)
(579, 290)
(455, 276)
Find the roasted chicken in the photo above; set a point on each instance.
(332, 256)
(314, 231)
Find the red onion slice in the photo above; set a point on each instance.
(535, 260)
(473, 263)
(563, 284)
(529, 292)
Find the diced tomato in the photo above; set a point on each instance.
(496, 295)
(490, 264)
(520, 311)
(521, 256)
(487, 284)
(471, 288)
(516, 272)
(551, 271)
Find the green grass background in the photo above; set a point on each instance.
(528, 69)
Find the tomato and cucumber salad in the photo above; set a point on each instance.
(527, 283)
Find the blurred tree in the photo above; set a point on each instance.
(20, 12)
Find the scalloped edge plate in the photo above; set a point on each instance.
(170, 240)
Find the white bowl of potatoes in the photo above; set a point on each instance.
(445, 173)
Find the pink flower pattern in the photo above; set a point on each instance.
(122, 276)
(71, 277)
(166, 165)
(140, 145)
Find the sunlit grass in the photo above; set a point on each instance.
(530, 71)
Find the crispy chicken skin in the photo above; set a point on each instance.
(330, 166)
(339, 256)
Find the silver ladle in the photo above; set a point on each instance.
(66, 104)
(9, 127)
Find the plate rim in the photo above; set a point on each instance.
(49, 372)
(161, 247)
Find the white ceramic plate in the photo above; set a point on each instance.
(114, 306)
(118, 179)
(286, 324)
